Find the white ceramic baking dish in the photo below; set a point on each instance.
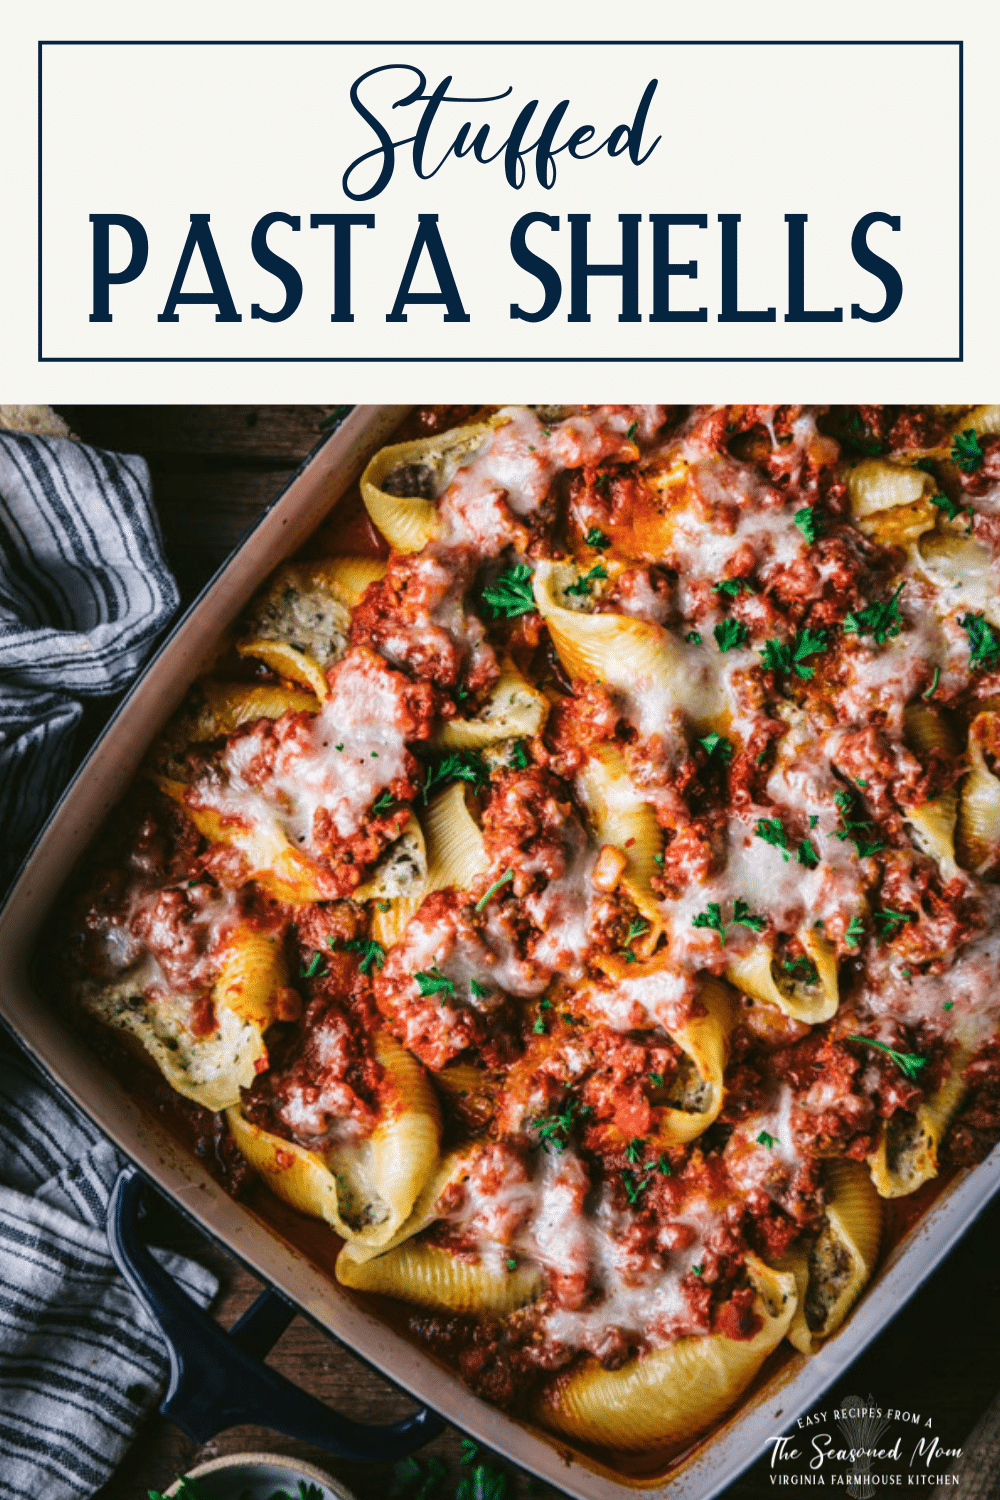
(795, 1387)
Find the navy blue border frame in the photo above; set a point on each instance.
(567, 359)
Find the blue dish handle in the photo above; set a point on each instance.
(219, 1380)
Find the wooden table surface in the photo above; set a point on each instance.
(214, 469)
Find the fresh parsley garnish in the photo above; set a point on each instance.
(633, 429)
(880, 620)
(416, 1480)
(479, 990)
(908, 1063)
(383, 803)
(889, 922)
(730, 633)
(966, 452)
(470, 1450)
(807, 521)
(434, 982)
(772, 831)
(949, 507)
(698, 1270)
(656, 1079)
(742, 916)
(806, 855)
(860, 831)
(948, 1005)
(693, 638)
(855, 932)
(718, 746)
(586, 581)
(507, 876)
(766, 1139)
(929, 693)
(458, 765)
(595, 538)
(857, 438)
(554, 1130)
(779, 656)
(316, 967)
(635, 1149)
(732, 587)
(512, 593)
(801, 969)
(984, 640)
(636, 928)
(519, 757)
(370, 952)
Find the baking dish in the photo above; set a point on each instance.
(294, 1269)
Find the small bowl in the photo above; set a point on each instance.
(260, 1474)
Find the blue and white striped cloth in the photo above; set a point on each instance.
(84, 592)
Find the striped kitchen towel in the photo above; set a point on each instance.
(84, 592)
(80, 1363)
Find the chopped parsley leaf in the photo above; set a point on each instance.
(519, 757)
(984, 640)
(698, 1270)
(554, 1130)
(507, 876)
(880, 620)
(855, 932)
(511, 1266)
(908, 1062)
(370, 951)
(315, 968)
(778, 656)
(693, 638)
(539, 1026)
(434, 983)
(479, 990)
(656, 1079)
(772, 831)
(949, 507)
(635, 1149)
(636, 928)
(806, 855)
(966, 452)
(338, 747)
(383, 803)
(633, 429)
(931, 690)
(801, 969)
(458, 765)
(807, 522)
(889, 922)
(601, 482)
(730, 633)
(595, 538)
(546, 432)
(858, 830)
(813, 820)
(765, 1139)
(584, 583)
(948, 1005)
(732, 587)
(717, 743)
(512, 593)
(742, 916)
